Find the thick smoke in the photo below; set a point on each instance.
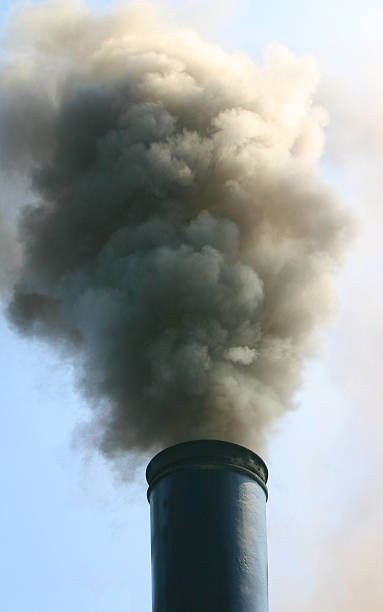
(183, 245)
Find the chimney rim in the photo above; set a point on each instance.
(206, 454)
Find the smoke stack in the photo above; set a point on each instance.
(208, 530)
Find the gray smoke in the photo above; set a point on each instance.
(183, 245)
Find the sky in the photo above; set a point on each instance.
(75, 538)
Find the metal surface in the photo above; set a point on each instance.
(209, 553)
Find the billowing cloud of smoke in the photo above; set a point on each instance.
(183, 245)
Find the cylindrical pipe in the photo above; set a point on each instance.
(208, 527)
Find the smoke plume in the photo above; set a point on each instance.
(183, 244)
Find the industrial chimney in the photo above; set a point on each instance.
(208, 528)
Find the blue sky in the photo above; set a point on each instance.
(73, 538)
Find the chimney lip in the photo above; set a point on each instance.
(206, 454)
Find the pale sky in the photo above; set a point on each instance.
(73, 538)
